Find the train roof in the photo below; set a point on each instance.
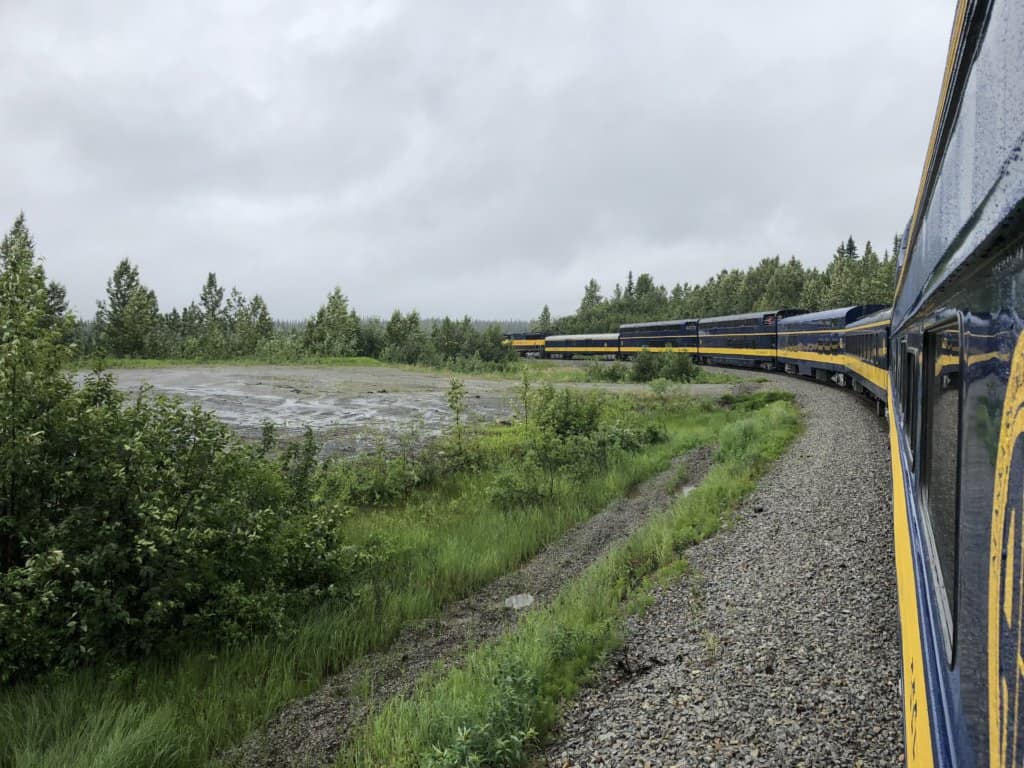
(752, 315)
(882, 316)
(846, 314)
(657, 323)
(581, 336)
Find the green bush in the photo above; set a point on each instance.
(679, 366)
(566, 412)
(136, 527)
(613, 372)
(646, 366)
(517, 487)
(379, 477)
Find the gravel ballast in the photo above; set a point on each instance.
(780, 646)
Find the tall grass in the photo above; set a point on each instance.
(445, 541)
(108, 363)
(506, 694)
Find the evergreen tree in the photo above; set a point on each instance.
(334, 330)
(784, 288)
(543, 323)
(592, 295)
(129, 318)
(211, 299)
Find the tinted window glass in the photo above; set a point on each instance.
(942, 442)
(910, 403)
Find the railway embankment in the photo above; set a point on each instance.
(311, 730)
(780, 646)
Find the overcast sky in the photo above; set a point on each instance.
(479, 158)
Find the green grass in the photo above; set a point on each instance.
(506, 694)
(543, 371)
(115, 363)
(445, 542)
(555, 372)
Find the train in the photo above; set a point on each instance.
(946, 363)
(846, 346)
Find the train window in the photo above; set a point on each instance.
(910, 403)
(940, 478)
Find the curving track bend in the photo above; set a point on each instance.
(781, 645)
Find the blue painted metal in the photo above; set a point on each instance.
(752, 335)
(956, 324)
(658, 334)
(867, 341)
(813, 342)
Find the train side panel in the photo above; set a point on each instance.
(587, 345)
(748, 340)
(812, 344)
(957, 416)
(866, 354)
(662, 336)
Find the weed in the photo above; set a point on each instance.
(712, 646)
(464, 716)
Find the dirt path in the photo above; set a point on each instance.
(311, 731)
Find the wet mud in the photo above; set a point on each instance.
(350, 408)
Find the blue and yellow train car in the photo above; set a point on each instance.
(811, 344)
(749, 340)
(660, 336)
(956, 416)
(584, 344)
(866, 354)
(525, 343)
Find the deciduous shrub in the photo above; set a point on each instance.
(679, 366)
(646, 366)
(132, 527)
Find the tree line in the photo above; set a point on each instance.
(850, 278)
(224, 324)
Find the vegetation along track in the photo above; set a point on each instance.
(780, 647)
(310, 731)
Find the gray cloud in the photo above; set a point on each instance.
(457, 157)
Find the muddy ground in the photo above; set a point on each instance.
(350, 407)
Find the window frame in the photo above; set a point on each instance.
(947, 596)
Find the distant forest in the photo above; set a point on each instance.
(851, 278)
(225, 324)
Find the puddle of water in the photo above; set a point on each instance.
(519, 602)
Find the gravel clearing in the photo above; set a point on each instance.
(312, 730)
(781, 645)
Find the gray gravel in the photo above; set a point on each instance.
(781, 647)
(311, 731)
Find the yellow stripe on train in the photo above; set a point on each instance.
(691, 350)
(738, 351)
(877, 376)
(583, 350)
(918, 734)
